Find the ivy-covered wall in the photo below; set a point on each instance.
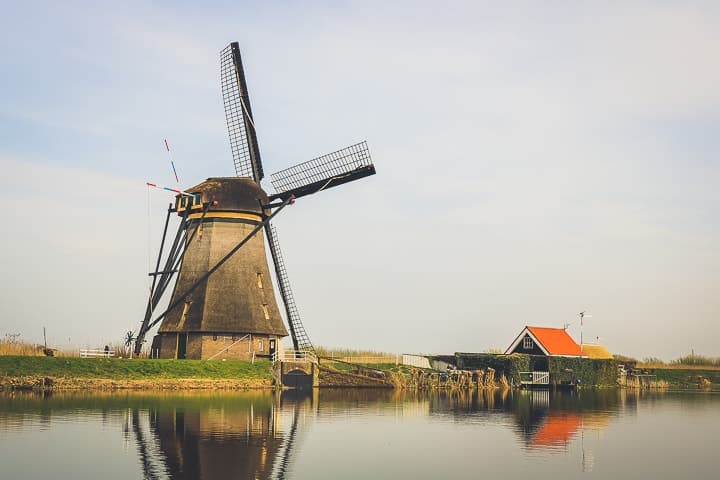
(508, 365)
(583, 371)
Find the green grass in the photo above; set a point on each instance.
(686, 378)
(135, 369)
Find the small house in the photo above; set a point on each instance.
(549, 342)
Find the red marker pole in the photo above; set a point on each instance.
(175, 190)
(167, 147)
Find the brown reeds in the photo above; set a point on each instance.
(24, 349)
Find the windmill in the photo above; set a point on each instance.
(223, 302)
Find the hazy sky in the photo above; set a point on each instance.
(534, 159)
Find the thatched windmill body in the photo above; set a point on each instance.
(223, 304)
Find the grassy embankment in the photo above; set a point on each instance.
(25, 372)
(685, 377)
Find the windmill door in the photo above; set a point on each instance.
(272, 347)
(181, 345)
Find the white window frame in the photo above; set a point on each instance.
(528, 343)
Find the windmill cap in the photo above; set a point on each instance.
(232, 194)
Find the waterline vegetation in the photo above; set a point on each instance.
(24, 366)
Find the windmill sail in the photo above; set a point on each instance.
(331, 170)
(246, 157)
(300, 338)
(238, 113)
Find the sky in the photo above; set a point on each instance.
(534, 160)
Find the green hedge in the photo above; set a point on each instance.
(600, 373)
(583, 371)
(508, 365)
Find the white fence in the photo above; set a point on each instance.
(535, 378)
(415, 361)
(294, 356)
(365, 359)
(96, 352)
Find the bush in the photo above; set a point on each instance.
(624, 359)
(697, 360)
(16, 347)
(509, 366)
(653, 361)
(586, 371)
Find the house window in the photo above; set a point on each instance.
(266, 312)
(527, 343)
(259, 281)
(260, 345)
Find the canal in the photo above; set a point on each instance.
(359, 433)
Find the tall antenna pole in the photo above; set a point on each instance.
(582, 316)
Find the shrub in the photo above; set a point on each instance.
(697, 360)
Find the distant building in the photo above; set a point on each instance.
(595, 351)
(549, 342)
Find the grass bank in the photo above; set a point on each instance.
(691, 378)
(21, 372)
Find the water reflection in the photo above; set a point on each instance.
(268, 435)
(549, 420)
(221, 439)
(258, 438)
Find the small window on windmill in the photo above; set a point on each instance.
(527, 343)
(259, 281)
(196, 200)
(266, 311)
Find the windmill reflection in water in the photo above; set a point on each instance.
(224, 438)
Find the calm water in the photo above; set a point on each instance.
(365, 434)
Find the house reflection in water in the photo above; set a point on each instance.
(552, 422)
(218, 440)
(548, 420)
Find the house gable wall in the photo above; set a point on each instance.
(536, 350)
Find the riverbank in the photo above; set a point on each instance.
(692, 378)
(58, 373)
(61, 373)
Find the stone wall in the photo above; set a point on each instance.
(203, 346)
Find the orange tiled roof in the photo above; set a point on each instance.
(555, 341)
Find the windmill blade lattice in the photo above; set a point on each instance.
(238, 113)
(331, 170)
(300, 338)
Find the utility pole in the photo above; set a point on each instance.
(582, 315)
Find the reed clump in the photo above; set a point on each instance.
(20, 348)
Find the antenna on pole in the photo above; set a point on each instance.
(582, 315)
